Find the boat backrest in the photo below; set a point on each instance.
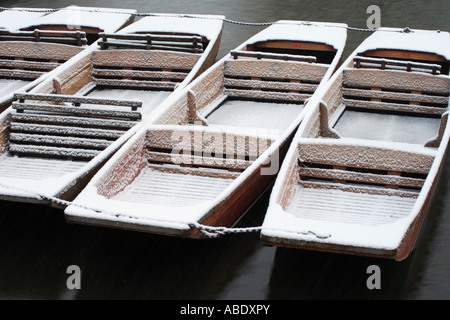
(396, 91)
(380, 63)
(179, 43)
(67, 126)
(362, 168)
(204, 149)
(30, 54)
(142, 68)
(271, 76)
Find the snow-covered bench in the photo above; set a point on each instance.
(161, 70)
(363, 169)
(182, 43)
(209, 149)
(272, 76)
(68, 126)
(397, 91)
(19, 59)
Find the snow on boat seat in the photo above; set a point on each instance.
(161, 51)
(271, 76)
(346, 177)
(18, 59)
(403, 105)
(67, 126)
(266, 90)
(180, 166)
(142, 69)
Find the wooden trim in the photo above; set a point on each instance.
(299, 45)
(20, 107)
(388, 95)
(272, 85)
(275, 70)
(64, 130)
(365, 157)
(364, 62)
(404, 54)
(363, 189)
(168, 85)
(134, 104)
(253, 94)
(20, 74)
(210, 172)
(388, 79)
(139, 74)
(59, 141)
(397, 107)
(53, 151)
(345, 175)
(273, 56)
(183, 159)
(69, 120)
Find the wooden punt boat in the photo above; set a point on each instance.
(215, 149)
(361, 173)
(34, 42)
(55, 137)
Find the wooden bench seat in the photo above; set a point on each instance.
(182, 43)
(214, 150)
(61, 127)
(147, 69)
(271, 76)
(396, 91)
(362, 168)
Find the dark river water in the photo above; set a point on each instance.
(37, 245)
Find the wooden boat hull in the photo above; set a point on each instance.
(361, 194)
(34, 48)
(145, 188)
(43, 130)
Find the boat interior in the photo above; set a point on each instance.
(92, 101)
(376, 134)
(243, 103)
(27, 55)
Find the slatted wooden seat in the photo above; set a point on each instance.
(396, 91)
(67, 126)
(19, 59)
(231, 154)
(143, 69)
(363, 169)
(271, 76)
(378, 63)
(75, 38)
(182, 43)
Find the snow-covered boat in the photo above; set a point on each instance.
(363, 167)
(55, 137)
(216, 148)
(34, 42)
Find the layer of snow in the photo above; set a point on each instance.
(178, 190)
(17, 18)
(418, 40)
(208, 26)
(8, 86)
(150, 99)
(255, 114)
(387, 127)
(106, 19)
(334, 34)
